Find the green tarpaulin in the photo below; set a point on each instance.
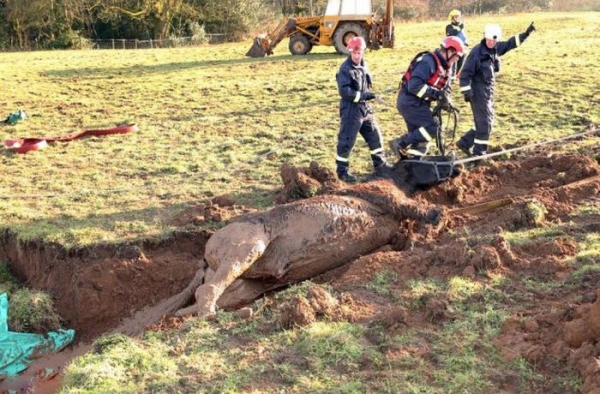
(18, 350)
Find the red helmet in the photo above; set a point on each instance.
(356, 43)
(454, 43)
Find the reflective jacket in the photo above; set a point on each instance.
(426, 75)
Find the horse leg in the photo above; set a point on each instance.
(230, 251)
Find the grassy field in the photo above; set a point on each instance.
(213, 121)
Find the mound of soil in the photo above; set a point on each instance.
(96, 288)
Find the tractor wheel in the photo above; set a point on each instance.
(299, 45)
(344, 33)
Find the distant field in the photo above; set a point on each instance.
(213, 121)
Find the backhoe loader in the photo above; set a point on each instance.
(343, 20)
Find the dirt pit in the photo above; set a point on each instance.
(105, 288)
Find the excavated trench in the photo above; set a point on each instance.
(93, 288)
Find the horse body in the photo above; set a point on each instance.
(299, 240)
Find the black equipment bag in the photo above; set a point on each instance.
(429, 171)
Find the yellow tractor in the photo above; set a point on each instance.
(343, 20)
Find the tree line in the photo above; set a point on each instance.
(67, 23)
(39, 24)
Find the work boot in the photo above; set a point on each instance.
(464, 149)
(348, 178)
(399, 148)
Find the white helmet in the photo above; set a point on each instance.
(492, 32)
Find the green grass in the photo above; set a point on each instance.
(213, 121)
(456, 356)
(381, 282)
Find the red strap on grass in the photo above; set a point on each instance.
(24, 145)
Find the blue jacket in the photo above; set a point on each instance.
(478, 74)
(354, 84)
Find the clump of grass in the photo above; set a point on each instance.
(29, 311)
(32, 311)
(535, 213)
(381, 282)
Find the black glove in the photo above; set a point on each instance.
(468, 95)
(530, 28)
(368, 96)
(446, 100)
(436, 94)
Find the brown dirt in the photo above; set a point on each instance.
(95, 287)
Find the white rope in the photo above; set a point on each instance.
(524, 147)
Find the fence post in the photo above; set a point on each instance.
(113, 43)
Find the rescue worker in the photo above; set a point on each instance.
(456, 28)
(426, 80)
(477, 84)
(356, 114)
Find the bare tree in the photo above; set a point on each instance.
(29, 22)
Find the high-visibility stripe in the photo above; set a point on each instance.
(465, 88)
(518, 40)
(422, 92)
(482, 142)
(342, 159)
(424, 133)
(380, 136)
(415, 152)
(357, 97)
(376, 151)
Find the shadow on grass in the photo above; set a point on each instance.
(64, 230)
(136, 70)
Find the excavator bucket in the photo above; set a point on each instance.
(256, 50)
(264, 45)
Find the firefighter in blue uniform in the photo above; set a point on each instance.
(356, 114)
(456, 28)
(425, 81)
(477, 84)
